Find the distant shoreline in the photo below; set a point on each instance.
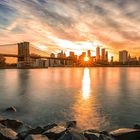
(128, 66)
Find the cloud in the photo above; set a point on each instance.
(115, 24)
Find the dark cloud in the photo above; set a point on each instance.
(7, 15)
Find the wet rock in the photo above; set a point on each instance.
(105, 133)
(13, 124)
(7, 133)
(105, 137)
(126, 134)
(16, 125)
(38, 130)
(91, 136)
(36, 137)
(55, 133)
(92, 131)
(22, 135)
(70, 124)
(136, 126)
(73, 134)
(11, 109)
(49, 126)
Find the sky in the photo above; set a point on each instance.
(54, 25)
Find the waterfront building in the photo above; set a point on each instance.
(89, 53)
(123, 56)
(106, 56)
(97, 54)
(83, 54)
(103, 55)
(61, 55)
(112, 59)
(2, 60)
(71, 54)
(52, 55)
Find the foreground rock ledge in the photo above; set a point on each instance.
(17, 130)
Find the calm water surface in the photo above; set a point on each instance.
(100, 98)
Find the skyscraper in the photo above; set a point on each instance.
(106, 56)
(112, 59)
(84, 54)
(123, 56)
(71, 54)
(103, 55)
(97, 54)
(88, 53)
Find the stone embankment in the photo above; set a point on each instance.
(17, 130)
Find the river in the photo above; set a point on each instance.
(99, 98)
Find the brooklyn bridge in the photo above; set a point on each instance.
(26, 53)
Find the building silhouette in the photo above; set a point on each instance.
(106, 56)
(103, 55)
(89, 53)
(97, 54)
(123, 56)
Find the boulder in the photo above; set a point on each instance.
(73, 134)
(105, 133)
(70, 124)
(92, 131)
(24, 134)
(16, 125)
(7, 133)
(36, 137)
(91, 136)
(49, 126)
(105, 137)
(13, 124)
(136, 126)
(37, 130)
(126, 134)
(11, 109)
(55, 133)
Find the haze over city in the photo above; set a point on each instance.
(72, 25)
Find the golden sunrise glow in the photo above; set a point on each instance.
(83, 107)
(86, 59)
(86, 84)
(42, 47)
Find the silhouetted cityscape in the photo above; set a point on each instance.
(25, 59)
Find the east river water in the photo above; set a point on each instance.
(99, 98)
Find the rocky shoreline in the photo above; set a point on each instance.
(17, 130)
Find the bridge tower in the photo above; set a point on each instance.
(24, 52)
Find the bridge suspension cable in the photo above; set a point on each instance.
(38, 50)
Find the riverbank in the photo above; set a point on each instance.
(128, 66)
(17, 130)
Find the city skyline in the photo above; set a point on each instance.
(72, 25)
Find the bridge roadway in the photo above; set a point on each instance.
(36, 57)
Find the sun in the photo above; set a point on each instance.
(86, 59)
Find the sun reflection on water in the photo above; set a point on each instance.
(84, 108)
(86, 84)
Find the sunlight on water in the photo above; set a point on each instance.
(86, 84)
(85, 113)
(97, 98)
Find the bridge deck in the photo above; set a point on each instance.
(36, 57)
